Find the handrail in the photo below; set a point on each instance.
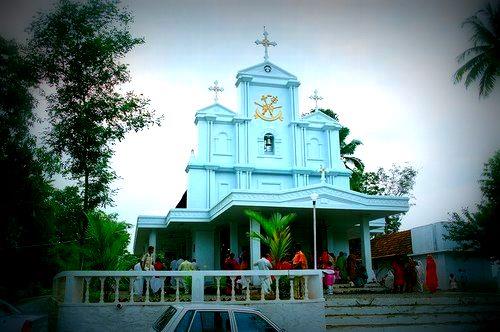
(74, 286)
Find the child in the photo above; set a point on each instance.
(453, 282)
(330, 277)
(336, 273)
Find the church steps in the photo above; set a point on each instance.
(410, 299)
(435, 327)
(404, 309)
(410, 318)
(414, 312)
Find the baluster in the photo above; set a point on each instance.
(131, 280)
(292, 295)
(177, 293)
(162, 296)
(147, 289)
(218, 289)
(306, 291)
(233, 293)
(248, 289)
(277, 287)
(87, 282)
(101, 296)
(117, 289)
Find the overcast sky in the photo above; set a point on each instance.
(384, 66)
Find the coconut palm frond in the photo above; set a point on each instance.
(350, 148)
(473, 51)
(484, 65)
(475, 71)
(481, 34)
(354, 161)
(468, 66)
(487, 82)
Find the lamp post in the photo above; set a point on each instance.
(314, 198)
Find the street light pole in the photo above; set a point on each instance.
(314, 198)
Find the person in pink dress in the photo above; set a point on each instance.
(329, 277)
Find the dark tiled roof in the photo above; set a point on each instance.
(392, 244)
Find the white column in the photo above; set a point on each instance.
(254, 249)
(152, 240)
(203, 248)
(366, 252)
(233, 237)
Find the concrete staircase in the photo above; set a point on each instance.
(413, 312)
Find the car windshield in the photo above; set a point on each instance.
(164, 319)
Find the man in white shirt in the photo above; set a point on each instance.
(264, 264)
(147, 259)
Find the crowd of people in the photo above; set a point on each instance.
(149, 262)
(408, 275)
(342, 269)
(404, 275)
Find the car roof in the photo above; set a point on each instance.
(207, 306)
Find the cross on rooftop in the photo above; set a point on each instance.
(266, 43)
(216, 89)
(316, 97)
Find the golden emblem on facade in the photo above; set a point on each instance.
(268, 110)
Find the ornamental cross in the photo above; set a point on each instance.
(266, 43)
(216, 89)
(322, 171)
(316, 97)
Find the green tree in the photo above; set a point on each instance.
(24, 174)
(79, 48)
(482, 60)
(66, 207)
(396, 181)
(276, 236)
(107, 241)
(479, 230)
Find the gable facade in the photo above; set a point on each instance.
(246, 150)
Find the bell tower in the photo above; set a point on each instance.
(269, 107)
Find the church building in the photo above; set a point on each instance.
(267, 157)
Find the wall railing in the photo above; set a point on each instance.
(235, 286)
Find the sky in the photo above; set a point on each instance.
(384, 66)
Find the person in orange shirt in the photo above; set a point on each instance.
(299, 262)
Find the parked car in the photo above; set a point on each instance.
(211, 317)
(13, 319)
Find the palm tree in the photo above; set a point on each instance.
(107, 241)
(347, 151)
(277, 236)
(483, 62)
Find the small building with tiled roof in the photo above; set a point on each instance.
(391, 245)
(469, 267)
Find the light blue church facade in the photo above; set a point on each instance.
(267, 157)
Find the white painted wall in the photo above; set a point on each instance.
(138, 317)
(429, 239)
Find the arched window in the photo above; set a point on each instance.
(313, 149)
(222, 143)
(269, 143)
